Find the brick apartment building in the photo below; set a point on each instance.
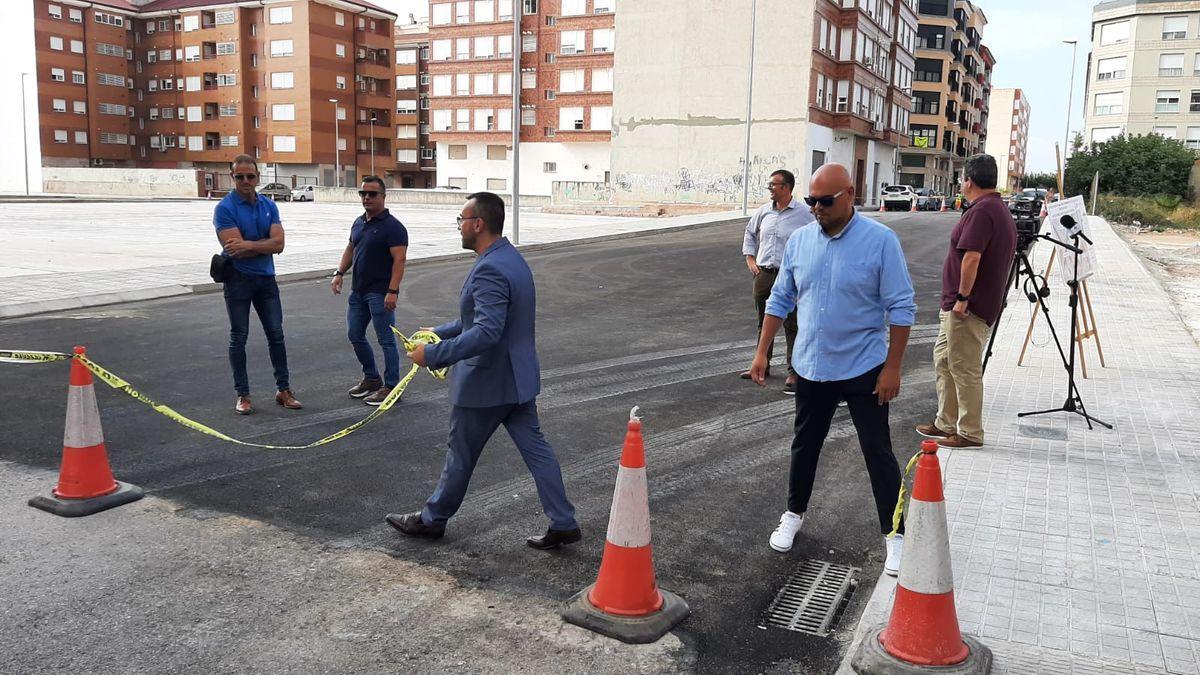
(566, 83)
(416, 162)
(952, 86)
(1008, 135)
(192, 83)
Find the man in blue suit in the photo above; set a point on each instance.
(496, 382)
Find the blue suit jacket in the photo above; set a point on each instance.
(493, 341)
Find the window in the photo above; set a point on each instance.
(462, 48)
(462, 120)
(602, 40)
(226, 48)
(1114, 68)
(1174, 27)
(528, 117)
(570, 81)
(441, 85)
(282, 80)
(602, 79)
(227, 110)
(406, 81)
(341, 82)
(339, 19)
(77, 77)
(485, 84)
(195, 143)
(194, 113)
(499, 152)
(283, 143)
(406, 57)
(191, 53)
(442, 50)
(601, 118)
(55, 11)
(341, 113)
(164, 55)
(59, 105)
(56, 43)
(406, 106)
(1165, 132)
(338, 49)
(441, 120)
(530, 6)
(1113, 33)
(528, 43)
(1194, 105)
(114, 139)
(226, 79)
(424, 53)
(1167, 101)
(77, 47)
(1170, 65)
(462, 84)
(223, 17)
(456, 152)
(549, 167)
(550, 94)
(284, 48)
(485, 47)
(110, 80)
(406, 156)
(497, 184)
(110, 108)
(406, 131)
(281, 15)
(109, 50)
(81, 137)
(1193, 138)
(60, 135)
(191, 23)
(504, 83)
(440, 13)
(229, 141)
(76, 15)
(574, 7)
(80, 107)
(485, 120)
(58, 75)
(570, 41)
(462, 12)
(109, 20)
(1112, 103)
(570, 118)
(426, 153)
(603, 6)
(485, 10)
(504, 45)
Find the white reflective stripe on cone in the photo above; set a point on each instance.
(83, 418)
(629, 520)
(925, 565)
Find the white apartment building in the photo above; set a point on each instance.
(1008, 135)
(1144, 71)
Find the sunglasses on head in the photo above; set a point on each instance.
(825, 202)
(245, 176)
(368, 193)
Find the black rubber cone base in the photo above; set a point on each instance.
(872, 659)
(632, 629)
(73, 508)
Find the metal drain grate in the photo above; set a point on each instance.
(812, 599)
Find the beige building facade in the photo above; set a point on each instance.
(1008, 135)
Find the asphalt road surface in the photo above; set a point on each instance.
(663, 322)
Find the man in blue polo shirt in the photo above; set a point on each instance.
(250, 233)
(377, 250)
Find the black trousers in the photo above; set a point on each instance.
(816, 403)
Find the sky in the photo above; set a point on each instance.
(1026, 38)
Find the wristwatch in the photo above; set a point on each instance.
(338, 273)
(961, 298)
(394, 291)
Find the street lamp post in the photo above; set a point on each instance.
(1070, 100)
(337, 147)
(749, 108)
(25, 133)
(372, 142)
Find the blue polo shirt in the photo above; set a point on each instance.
(372, 240)
(254, 222)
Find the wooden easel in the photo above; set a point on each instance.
(1086, 327)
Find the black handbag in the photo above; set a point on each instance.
(221, 268)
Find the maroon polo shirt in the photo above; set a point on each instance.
(986, 227)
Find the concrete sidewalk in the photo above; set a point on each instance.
(72, 255)
(1077, 550)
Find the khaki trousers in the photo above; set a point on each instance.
(958, 361)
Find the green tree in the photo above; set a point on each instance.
(1132, 166)
(1040, 180)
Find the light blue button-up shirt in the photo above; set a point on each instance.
(846, 290)
(769, 228)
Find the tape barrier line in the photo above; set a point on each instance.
(903, 493)
(114, 381)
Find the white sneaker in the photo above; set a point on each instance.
(785, 534)
(895, 549)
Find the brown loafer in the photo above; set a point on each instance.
(554, 539)
(285, 399)
(242, 406)
(932, 431)
(957, 441)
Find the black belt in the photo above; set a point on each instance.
(768, 269)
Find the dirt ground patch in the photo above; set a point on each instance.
(1174, 257)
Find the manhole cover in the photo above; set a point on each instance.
(813, 598)
(1042, 432)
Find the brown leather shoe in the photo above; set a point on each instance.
(242, 406)
(746, 375)
(285, 399)
(554, 539)
(957, 441)
(931, 431)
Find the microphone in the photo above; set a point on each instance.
(1073, 227)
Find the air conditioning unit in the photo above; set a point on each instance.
(868, 62)
(877, 126)
(96, 161)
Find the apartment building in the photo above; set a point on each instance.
(950, 95)
(1144, 71)
(416, 161)
(305, 86)
(566, 82)
(831, 83)
(1008, 135)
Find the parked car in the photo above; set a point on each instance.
(1027, 204)
(928, 201)
(276, 191)
(898, 197)
(304, 193)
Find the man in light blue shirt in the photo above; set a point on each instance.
(847, 281)
(767, 234)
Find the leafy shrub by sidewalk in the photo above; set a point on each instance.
(1160, 212)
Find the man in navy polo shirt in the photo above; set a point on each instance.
(249, 230)
(377, 250)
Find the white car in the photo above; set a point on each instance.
(304, 193)
(898, 198)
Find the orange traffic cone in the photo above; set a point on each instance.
(85, 481)
(625, 602)
(943, 209)
(923, 632)
(882, 206)
(914, 205)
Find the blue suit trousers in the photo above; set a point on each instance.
(470, 429)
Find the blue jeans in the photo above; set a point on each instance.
(367, 308)
(242, 292)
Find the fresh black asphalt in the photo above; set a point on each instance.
(664, 322)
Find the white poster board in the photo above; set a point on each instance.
(1075, 208)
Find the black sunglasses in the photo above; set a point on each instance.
(245, 176)
(368, 193)
(826, 202)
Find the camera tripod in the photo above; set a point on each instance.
(1037, 293)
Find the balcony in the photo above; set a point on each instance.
(975, 128)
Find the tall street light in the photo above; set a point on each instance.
(1070, 100)
(749, 108)
(25, 133)
(372, 142)
(337, 147)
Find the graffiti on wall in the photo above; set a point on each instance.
(689, 185)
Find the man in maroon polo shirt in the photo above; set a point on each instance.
(974, 282)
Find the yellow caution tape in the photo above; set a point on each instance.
(903, 493)
(112, 380)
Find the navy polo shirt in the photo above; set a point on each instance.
(254, 221)
(372, 240)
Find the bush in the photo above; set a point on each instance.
(1137, 166)
(1161, 212)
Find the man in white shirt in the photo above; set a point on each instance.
(767, 233)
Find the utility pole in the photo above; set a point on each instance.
(516, 123)
(337, 147)
(749, 109)
(372, 142)
(25, 133)
(1070, 100)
